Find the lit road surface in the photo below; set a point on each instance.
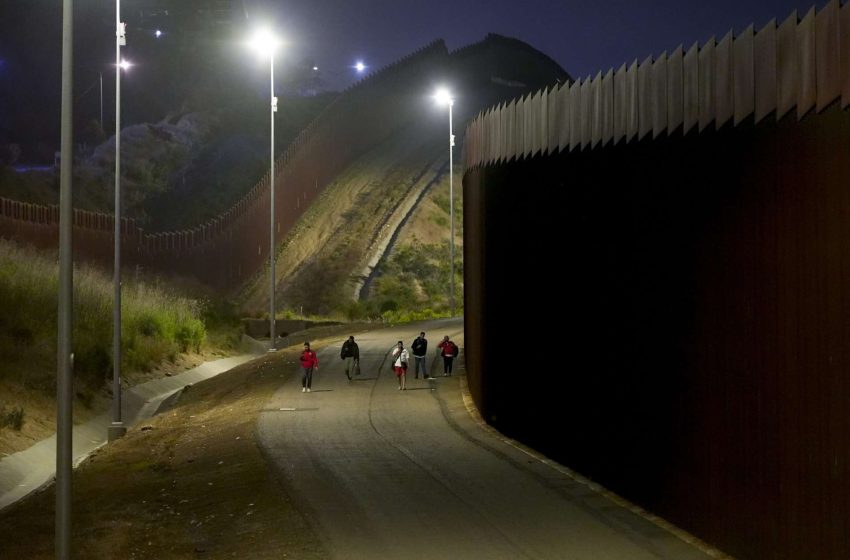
(383, 473)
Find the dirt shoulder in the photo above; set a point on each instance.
(189, 483)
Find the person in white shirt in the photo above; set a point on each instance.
(400, 364)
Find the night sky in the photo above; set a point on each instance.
(583, 36)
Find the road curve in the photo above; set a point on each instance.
(383, 473)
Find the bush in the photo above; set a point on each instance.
(12, 418)
(190, 334)
(355, 311)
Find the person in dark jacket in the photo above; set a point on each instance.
(351, 354)
(309, 364)
(448, 350)
(420, 349)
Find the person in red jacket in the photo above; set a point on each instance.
(309, 364)
(448, 350)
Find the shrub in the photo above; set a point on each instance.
(190, 334)
(12, 418)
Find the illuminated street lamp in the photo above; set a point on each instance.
(265, 44)
(444, 97)
(117, 429)
(360, 67)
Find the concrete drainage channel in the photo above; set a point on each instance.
(26, 471)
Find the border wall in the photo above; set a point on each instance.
(698, 203)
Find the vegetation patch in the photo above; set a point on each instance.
(159, 326)
(414, 284)
(11, 417)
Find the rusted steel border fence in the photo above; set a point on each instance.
(800, 63)
(701, 226)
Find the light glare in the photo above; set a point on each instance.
(443, 97)
(264, 42)
(360, 66)
(125, 65)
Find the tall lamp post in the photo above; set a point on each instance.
(444, 97)
(265, 43)
(117, 429)
(64, 357)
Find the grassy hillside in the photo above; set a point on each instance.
(162, 330)
(324, 260)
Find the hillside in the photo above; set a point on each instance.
(179, 171)
(374, 162)
(325, 257)
(377, 240)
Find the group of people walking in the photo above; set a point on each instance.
(350, 352)
(448, 351)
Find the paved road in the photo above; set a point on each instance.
(393, 474)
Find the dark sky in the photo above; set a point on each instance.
(583, 36)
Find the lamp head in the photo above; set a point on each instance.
(360, 67)
(125, 65)
(443, 97)
(264, 42)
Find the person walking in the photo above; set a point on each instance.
(309, 364)
(420, 349)
(351, 354)
(448, 350)
(400, 364)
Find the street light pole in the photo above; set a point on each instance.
(117, 429)
(64, 357)
(271, 211)
(443, 97)
(451, 210)
(265, 44)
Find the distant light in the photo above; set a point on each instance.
(360, 66)
(264, 42)
(443, 97)
(315, 68)
(158, 33)
(125, 65)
